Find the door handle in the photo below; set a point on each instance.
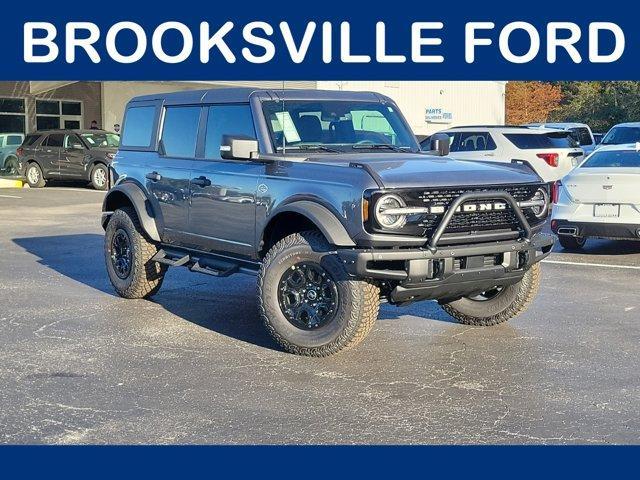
(201, 181)
(153, 176)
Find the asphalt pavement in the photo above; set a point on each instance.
(195, 365)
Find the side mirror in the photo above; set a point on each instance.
(238, 148)
(440, 144)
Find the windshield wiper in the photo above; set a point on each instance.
(322, 148)
(379, 146)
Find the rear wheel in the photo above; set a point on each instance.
(572, 243)
(498, 304)
(11, 165)
(33, 175)
(128, 255)
(99, 176)
(308, 302)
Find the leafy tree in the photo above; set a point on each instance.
(599, 104)
(531, 101)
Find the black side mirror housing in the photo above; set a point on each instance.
(440, 144)
(238, 148)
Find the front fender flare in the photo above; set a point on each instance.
(140, 203)
(324, 219)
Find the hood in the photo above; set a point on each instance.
(402, 170)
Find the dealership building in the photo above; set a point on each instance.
(428, 106)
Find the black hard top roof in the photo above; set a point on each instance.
(241, 95)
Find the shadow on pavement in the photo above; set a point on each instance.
(597, 247)
(226, 306)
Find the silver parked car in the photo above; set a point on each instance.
(9, 142)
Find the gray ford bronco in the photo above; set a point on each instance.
(328, 199)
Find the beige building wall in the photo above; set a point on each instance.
(470, 103)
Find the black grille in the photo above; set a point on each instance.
(469, 221)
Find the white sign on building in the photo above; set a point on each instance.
(438, 115)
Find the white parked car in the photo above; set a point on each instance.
(551, 153)
(581, 133)
(600, 198)
(622, 134)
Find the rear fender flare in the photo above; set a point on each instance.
(138, 199)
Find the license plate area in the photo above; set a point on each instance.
(606, 210)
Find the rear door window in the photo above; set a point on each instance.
(138, 127)
(56, 140)
(535, 141)
(222, 120)
(14, 140)
(180, 131)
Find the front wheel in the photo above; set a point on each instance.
(498, 304)
(308, 302)
(128, 253)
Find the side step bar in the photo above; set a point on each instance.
(166, 259)
(209, 264)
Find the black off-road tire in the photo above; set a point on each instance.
(38, 181)
(572, 243)
(508, 303)
(357, 306)
(96, 170)
(145, 276)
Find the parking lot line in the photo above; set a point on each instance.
(9, 196)
(586, 264)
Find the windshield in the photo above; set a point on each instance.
(620, 135)
(101, 140)
(613, 159)
(337, 126)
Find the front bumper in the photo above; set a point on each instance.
(615, 231)
(448, 272)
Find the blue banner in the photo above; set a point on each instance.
(328, 40)
(312, 462)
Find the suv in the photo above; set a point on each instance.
(67, 155)
(327, 198)
(9, 142)
(551, 153)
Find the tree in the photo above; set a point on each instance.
(599, 104)
(531, 101)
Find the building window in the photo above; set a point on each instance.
(54, 114)
(12, 115)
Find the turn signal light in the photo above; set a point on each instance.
(550, 158)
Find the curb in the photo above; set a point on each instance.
(10, 183)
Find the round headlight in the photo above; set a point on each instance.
(540, 203)
(383, 212)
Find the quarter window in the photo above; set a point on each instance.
(222, 120)
(471, 141)
(180, 131)
(138, 127)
